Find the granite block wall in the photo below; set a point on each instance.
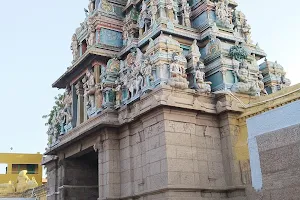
(279, 153)
(166, 154)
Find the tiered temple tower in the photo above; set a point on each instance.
(152, 102)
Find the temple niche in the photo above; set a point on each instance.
(196, 70)
(141, 72)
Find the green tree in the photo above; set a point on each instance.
(57, 107)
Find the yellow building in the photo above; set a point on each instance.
(15, 163)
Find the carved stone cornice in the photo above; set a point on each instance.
(103, 51)
(107, 118)
(48, 159)
(272, 101)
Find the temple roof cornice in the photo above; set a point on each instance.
(100, 50)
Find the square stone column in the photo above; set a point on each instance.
(51, 164)
(98, 94)
(230, 131)
(109, 165)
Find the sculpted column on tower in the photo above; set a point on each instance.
(90, 93)
(80, 103)
(98, 92)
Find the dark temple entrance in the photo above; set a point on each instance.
(81, 177)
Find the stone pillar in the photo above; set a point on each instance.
(98, 94)
(74, 106)
(51, 163)
(230, 131)
(109, 166)
(243, 152)
(85, 116)
(80, 103)
(101, 182)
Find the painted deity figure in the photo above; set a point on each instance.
(177, 73)
(194, 55)
(118, 91)
(138, 60)
(74, 47)
(170, 9)
(125, 36)
(195, 49)
(203, 87)
(245, 84)
(199, 76)
(113, 65)
(241, 25)
(138, 80)
(175, 68)
(143, 19)
(186, 13)
(125, 80)
(153, 11)
(90, 89)
(130, 59)
(246, 30)
(147, 72)
(67, 102)
(91, 36)
(91, 6)
(222, 12)
(138, 83)
(243, 73)
(261, 85)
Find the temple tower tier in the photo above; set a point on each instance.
(152, 102)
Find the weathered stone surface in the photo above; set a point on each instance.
(161, 152)
(280, 161)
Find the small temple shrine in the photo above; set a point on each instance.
(155, 102)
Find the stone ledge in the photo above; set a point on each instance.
(48, 159)
(106, 119)
(272, 101)
(181, 189)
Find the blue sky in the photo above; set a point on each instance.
(35, 39)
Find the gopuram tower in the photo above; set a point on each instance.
(155, 103)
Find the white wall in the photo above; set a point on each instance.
(278, 118)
